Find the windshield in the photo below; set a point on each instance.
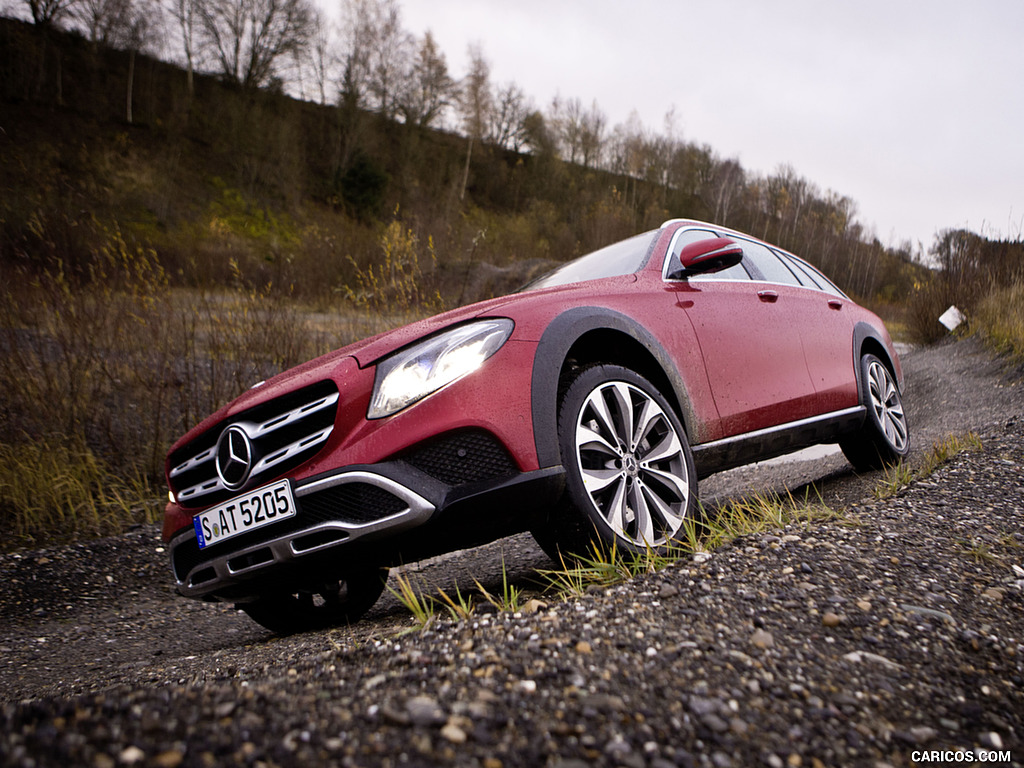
(622, 258)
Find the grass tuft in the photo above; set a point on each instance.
(460, 608)
(510, 598)
(901, 475)
(422, 607)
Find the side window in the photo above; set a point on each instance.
(768, 264)
(808, 273)
(805, 277)
(683, 239)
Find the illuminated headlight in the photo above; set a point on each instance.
(413, 373)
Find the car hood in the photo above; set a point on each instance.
(344, 362)
(362, 353)
(369, 351)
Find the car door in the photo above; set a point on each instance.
(749, 330)
(827, 337)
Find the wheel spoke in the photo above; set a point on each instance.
(596, 480)
(671, 481)
(615, 512)
(589, 440)
(668, 448)
(642, 515)
(612, 422)
(649, 415)
(672, 521)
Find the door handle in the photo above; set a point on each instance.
(835, 304)
(769, 296)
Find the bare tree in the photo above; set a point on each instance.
(357, 33)
(592, 127)
(131, 25)
(46, 13)
(509, 118)
(722, 187)
(140, 31)
(320, 59)
(104, 20)
(428, 89)
(565, 117)
(389, 58)
(476, 104)
(248, 38)
(185, 13)
(378, 51)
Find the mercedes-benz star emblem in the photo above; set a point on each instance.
(234, 457)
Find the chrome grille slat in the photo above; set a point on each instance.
(195, 461)
(292, 416)
(269, 462)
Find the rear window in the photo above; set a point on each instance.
(622, 258)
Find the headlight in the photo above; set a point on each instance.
(413, 373)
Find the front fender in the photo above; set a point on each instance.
(554, 348)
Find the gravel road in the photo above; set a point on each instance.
(890, 634)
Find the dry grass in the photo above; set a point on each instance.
(53, 492)
(1000, 319)
(104, 365)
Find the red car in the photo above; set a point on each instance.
(586, 406)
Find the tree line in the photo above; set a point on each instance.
(370, 73)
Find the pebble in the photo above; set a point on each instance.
(425, 711)
(762, 639)
(454, 733)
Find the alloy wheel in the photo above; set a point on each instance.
(632, 463)
(887, 406)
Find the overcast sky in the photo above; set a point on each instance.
(915, 110)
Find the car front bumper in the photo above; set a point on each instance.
(380, 514)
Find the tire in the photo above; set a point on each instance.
(328, 605)
(630, 479)
(884, 438)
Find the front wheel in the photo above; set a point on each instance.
(884, 439)
(630, 479)
(319, 607)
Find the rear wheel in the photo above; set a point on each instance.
(884, 438)
(325, 605)
(630, 480)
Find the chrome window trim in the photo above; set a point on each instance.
(690, 225)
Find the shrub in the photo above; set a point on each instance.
(1000, 319)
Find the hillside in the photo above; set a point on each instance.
(298, 192)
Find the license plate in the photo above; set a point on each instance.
(253, 510)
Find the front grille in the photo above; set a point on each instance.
(465, 456)
(354, 503)
(283, 433)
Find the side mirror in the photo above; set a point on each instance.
(707, 256)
